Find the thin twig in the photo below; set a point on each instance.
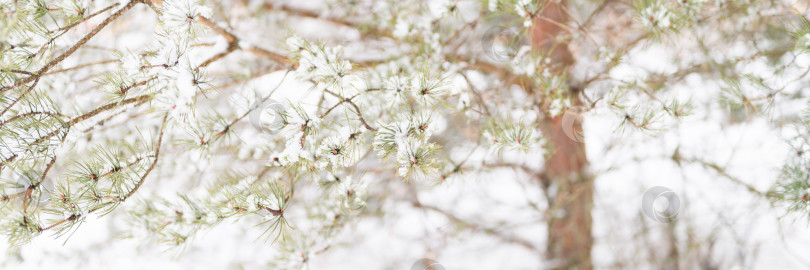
(157, 157)
(234, 41)
(72, 49)
(357, 110)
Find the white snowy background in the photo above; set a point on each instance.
(746, 232)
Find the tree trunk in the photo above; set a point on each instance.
(569, 216)
(569, 219)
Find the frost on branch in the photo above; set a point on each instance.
(103, 100)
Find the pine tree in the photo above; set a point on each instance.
(102, 100)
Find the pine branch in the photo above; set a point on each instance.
(74, 24)
(151, 167)
(75, 217)
(30, 88)
(233, 42)
(370, 32)
(722, 171)
(344, 100)
(81, 66)
(17, 71)
(464, 223)
(357, 109)
(67, 28)
(135, 100)
(28, 114)
(73, 48)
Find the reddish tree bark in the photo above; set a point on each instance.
(570, 220)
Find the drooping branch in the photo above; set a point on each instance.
(67, 125)
(154, 163)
